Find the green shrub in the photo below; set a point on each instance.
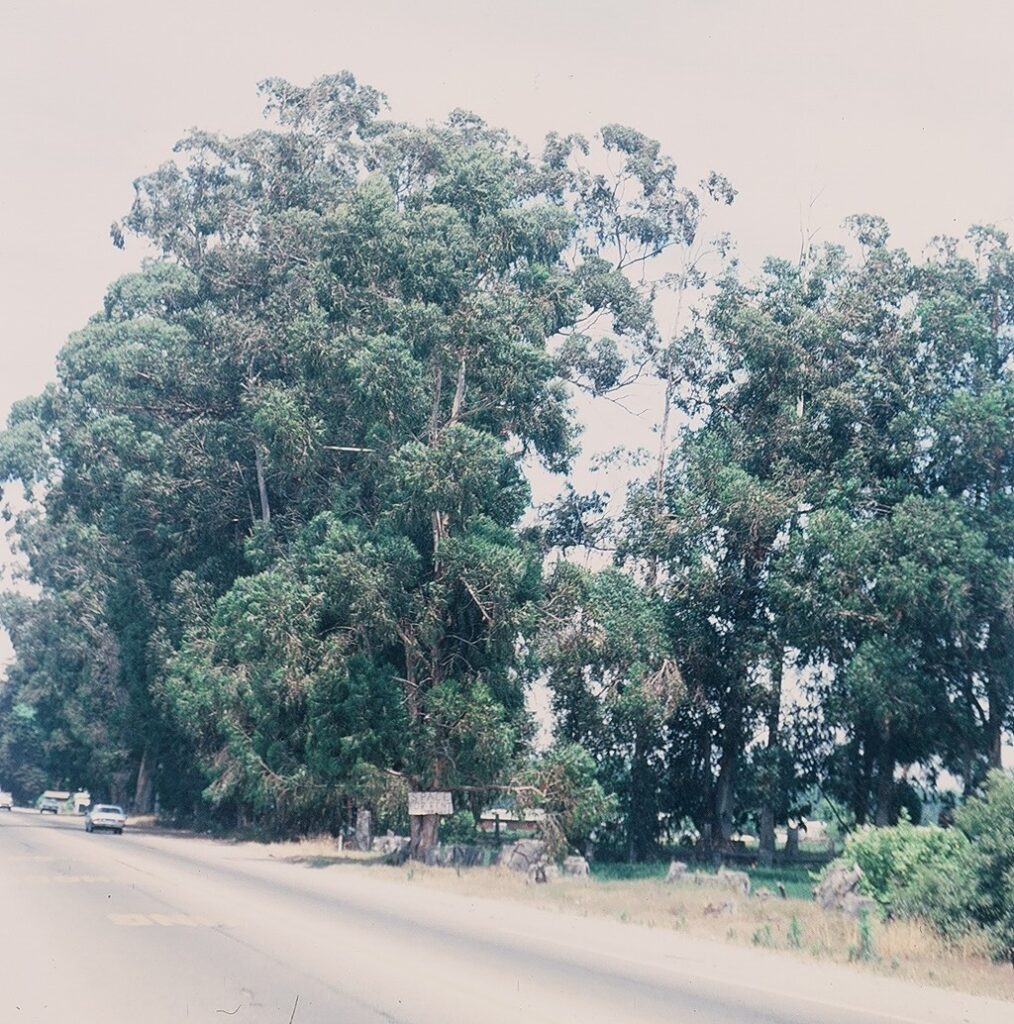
(960, 879)
(459, 828)
(863, 948)
(900, 860)
(986, 871)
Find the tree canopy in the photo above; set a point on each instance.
(280, 530)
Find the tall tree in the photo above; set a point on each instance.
(302, 432)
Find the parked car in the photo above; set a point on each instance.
(105, 816)
(6, 801)
(49, 806)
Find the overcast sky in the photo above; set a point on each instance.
(813, 110)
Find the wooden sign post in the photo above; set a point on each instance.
(424, 813)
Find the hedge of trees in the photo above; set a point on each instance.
(279, 528)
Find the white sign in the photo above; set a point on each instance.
(430, 803)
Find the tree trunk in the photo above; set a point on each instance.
(792, 845)
(411, 680)
(994, 742)
(998, 650)
(364, 830)
(724, 792)
(459, 391)
(640, 834)
(144, 790)
(423, 833)
(262, 486)
(885, 778)
(766, 835)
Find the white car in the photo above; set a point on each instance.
(105, 816)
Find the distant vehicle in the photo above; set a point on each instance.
(105, 816)
(53, 801)
(6, 801)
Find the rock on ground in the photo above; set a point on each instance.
(576, 867)
(738, 881)
(524, 855)
(677, 871)
(839, 890)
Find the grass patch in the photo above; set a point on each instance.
(622, 872)
(797, 880)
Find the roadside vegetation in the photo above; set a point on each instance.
(959, 880)
(285, 563)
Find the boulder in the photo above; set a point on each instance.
(541, 873)
(839, 885)
(524, 855)
(435, 856)
(677, 871)
(738, 881)
(855, 905)
(576, 867)
(388, 844)
(463, 855)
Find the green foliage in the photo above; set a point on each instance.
(604, 643)
(280, 475)
(986, 869)
(563, 783)
(960, 878)
(895, 860)
(863, 949)
(277, 501)
(459, 828)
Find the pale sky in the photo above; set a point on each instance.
(813, 110)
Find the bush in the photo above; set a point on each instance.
(987, 865)
(959, 879)
(897, 862)
(459, 828)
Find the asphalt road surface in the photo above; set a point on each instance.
(160, 929)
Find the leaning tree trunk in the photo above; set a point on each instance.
(144, 790)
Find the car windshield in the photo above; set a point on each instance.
(107, 809)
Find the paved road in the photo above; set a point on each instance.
(158, 929)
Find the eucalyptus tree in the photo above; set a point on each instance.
(898, 584)
(968, 310)
(302, 432)
(647, 231)
(614, 687)
(708, 530)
